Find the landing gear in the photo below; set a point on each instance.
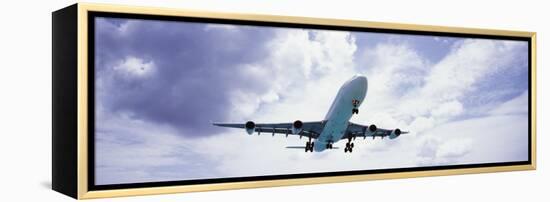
(355, 103)
(329, 145)
(309, 145)
(349, 146)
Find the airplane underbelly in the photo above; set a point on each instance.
(339, 130)
(334, 129)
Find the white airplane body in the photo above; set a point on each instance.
(341, 110)
(334, 127)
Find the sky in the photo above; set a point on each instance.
(160, 84)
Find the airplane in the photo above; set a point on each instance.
(336, 125)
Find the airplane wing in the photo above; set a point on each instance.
(358, 130)
(309, 129)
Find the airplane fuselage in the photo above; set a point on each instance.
(349, 98)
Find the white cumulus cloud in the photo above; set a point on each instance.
(134, 67)
(304, 70)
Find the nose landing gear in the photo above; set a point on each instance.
(355, 103)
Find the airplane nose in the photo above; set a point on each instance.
(360, 80)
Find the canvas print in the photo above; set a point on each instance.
(186, 100)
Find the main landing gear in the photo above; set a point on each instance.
(309, 145)
(349, 146)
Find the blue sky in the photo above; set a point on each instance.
(159, 85)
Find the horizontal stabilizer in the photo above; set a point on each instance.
(295, 147)
(302, 147)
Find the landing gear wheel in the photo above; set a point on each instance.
(310, 149)
(355, 111)
(309, 146)
(346, 150)
(347, 145)
(351, 146)
(350, 150)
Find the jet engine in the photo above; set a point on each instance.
(395, 133)
(297, 127)
(372, 128)
(250, 127)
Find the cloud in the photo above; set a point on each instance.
(133, 67)
(479, 140)
(406, 89)
(387, 95)
(454, 106)
(517, 105)
(129, 150)
(447, 109)
(184, 83)
(455, 148)
(300, 62)
(499, 136)
(223, 27)
(389, 105)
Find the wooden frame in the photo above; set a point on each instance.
(71, 100)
